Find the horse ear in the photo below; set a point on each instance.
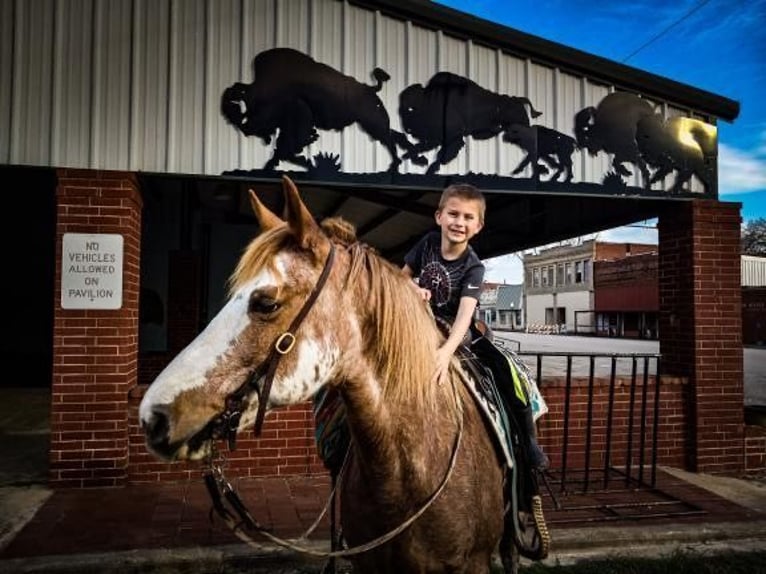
(266, 218)
(298, 217)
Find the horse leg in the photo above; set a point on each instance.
(509, 553)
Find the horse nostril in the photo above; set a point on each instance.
(157, 428)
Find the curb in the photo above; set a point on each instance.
(569, 545)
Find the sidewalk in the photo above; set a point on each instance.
(166, 527)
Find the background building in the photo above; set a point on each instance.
(626, 295)
(559, 285)
(501, 306)
(753, 300)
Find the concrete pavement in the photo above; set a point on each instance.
(754, 358)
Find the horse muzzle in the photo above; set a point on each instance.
(157, 433)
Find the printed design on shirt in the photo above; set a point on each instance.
(438, 280)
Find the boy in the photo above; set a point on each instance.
(450, 276)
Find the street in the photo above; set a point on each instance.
(754, 358)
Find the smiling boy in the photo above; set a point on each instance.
(450, 275)
(449, 272)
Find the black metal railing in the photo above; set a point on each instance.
(621, 482)
(636, 463)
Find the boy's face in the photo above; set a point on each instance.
(459, 219)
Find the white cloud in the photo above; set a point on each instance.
(740, 171)
(630, 234)
(506, 268)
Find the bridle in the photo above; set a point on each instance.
(226, 424)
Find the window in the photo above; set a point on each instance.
(568, 271)
(544, 277)
(536, 277)
(586, 271)
(560, 274)
(578, 272)
(550, 275)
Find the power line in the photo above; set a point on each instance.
(664, 31)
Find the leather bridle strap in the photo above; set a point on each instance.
(282, 346)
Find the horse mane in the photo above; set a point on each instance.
(401, 331)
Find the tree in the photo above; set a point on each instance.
(754, 237)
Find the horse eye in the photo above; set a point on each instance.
(262, 305)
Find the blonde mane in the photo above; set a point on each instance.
(401, 335)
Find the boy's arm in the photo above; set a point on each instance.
(457, 333)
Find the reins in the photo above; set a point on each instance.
(221, 490)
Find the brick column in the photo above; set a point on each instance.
(95, 352)
(701, 326)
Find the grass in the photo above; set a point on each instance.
(677, 563)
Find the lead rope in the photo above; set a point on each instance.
(217, 484)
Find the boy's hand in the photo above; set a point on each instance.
(443, 358)
(422, 292)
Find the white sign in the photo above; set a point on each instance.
(91, 271)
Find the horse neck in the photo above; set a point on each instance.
(393, 438)
(394, 410)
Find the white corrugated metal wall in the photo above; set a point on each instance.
(753, 271)
(136, 84)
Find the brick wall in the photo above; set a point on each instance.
(627, 284)
(286, 447)
(609, 251)
(754, 315)
(625, 431)
(287, 444)
(701, 326)
(94, 351)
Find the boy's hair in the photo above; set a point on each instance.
(464, 191)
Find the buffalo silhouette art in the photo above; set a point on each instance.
(629, 128)
(543, 146)
(294, 95)
(451, 108)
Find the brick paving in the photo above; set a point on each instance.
(162, 515)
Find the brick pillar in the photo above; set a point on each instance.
(95, 351)
(701, 326)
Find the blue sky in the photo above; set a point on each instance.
(714, 45)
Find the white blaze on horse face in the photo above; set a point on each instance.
(188, 369)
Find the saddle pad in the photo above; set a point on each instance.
(489, 402)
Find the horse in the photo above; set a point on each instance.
(312, 308)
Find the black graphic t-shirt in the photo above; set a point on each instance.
(448, 281)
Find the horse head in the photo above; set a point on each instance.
(255, 341)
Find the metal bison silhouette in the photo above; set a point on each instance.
(546, 149)
(451, 108)
(295, 95)
(629, 128)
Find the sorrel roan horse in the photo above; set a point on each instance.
(371, 337)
